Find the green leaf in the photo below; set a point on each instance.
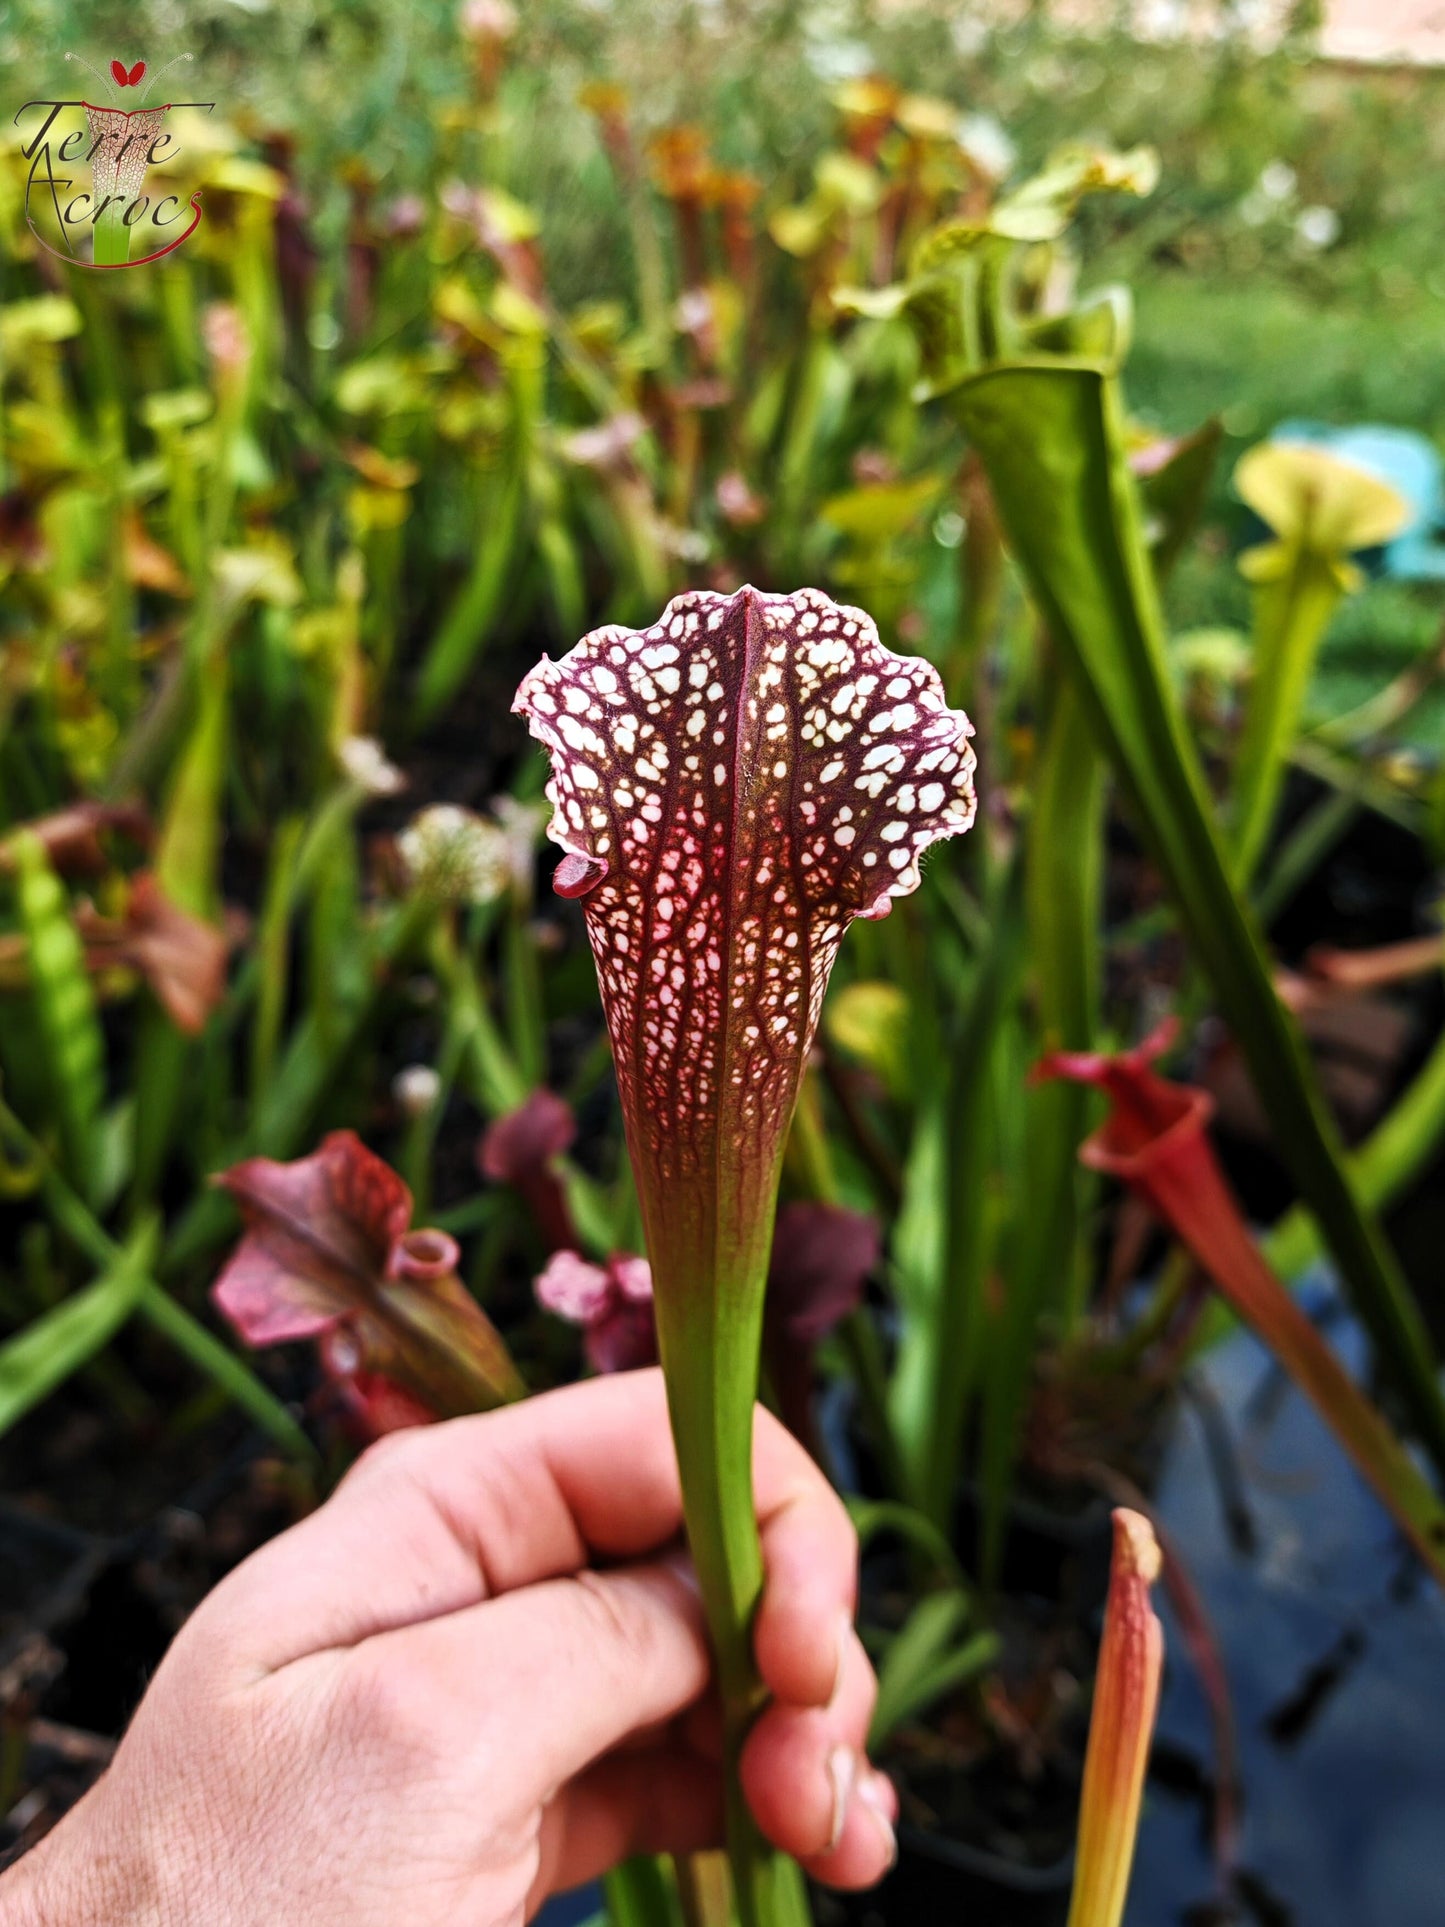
(1291, 613)
(1051, 435)
(1042, 1249)
(477, 605)
(955, 1342)
(1175, 489)
(66, 1018)
(1063, 899)
(564, 569)
(217, 1362)
(44, 318)
(165, 1057)
(875, 512)
(44, 1355)
(1099, 328)
(1043, 207)
(187, 856)
(639, 1894)
(868, 1021)
(871, 1517)
(926, 1659)
(73, 1216)
(187, 868)
(273, 953)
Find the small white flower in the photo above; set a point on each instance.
(832, 61)
(1317, 227)
(226, 336)
(694, 311)
(969, 34)
(1164, 20)
(416, 1088)
(343, 1352)
(365, 762)
(1278, 181)
(606, 445)
(460, 200)
(987, 143)
(487, 20)
(455, 855)
(523, 825)
(688, 545)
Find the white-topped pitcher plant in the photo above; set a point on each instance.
(731, 787)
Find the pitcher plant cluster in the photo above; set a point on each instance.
(293, 1032)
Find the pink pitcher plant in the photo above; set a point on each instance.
(329, 1254)
(612, 1304)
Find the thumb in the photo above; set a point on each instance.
(552, 1676)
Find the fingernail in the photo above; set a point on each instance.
(875, 1796)
(842, 1772)
(840, 1665)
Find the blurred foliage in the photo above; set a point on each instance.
(500, 325)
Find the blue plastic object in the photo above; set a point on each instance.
(1409, 463)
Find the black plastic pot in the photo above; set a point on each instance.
(944, 1881)
(993, 1863)
(1050, 1552)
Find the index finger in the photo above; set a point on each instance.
(439, 1518)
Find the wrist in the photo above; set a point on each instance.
(83, 1872)
(19, 1905)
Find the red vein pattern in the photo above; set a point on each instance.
(120, 147)
(732, 787)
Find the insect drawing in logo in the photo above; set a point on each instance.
(124, 218)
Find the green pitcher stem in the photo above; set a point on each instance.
(1291, 616)
(714, 1447)
(112, 239)
(709, 1333)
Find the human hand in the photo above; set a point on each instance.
(478, 1675)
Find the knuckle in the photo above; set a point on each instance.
(505, 1511)
(619, 1628)
(384, 1458)
(494, 1514)
(380, 1708)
